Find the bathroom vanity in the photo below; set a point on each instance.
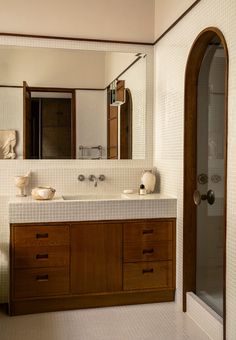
(93, 263)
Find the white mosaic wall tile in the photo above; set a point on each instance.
(171, 55)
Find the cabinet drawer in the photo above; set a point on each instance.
(147, 251)
(40, 282)
(29, 236)
(148, 231)
(44, 256)
(148, 275)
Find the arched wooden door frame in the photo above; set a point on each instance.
(195, 58)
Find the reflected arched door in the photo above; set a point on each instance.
(126, 127)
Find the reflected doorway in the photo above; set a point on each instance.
(49, 123)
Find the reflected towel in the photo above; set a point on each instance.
(7, 144)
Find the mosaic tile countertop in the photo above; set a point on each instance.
(134, 206)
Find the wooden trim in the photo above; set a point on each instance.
(176, 22)
(75, 39)
(73, 125)
(25, 87)
(24, 120)
(63, 89)
(195, 58)
(12, 86)
(142, 220)
(108, 122)
(28, 306)
(50, 89)
(58, 89)
(223, 41)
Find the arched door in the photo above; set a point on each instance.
(205, 170)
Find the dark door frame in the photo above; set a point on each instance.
(126, 116)
(29, 89)
(195, 58)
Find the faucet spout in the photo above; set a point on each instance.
(94, 179)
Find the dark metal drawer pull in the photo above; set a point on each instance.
(45, 235)
(42, 278)
(148, 231)
(148, 251)
(145, 271)
(41, 256)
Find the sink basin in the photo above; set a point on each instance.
(93, 197)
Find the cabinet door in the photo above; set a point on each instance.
(96, 258)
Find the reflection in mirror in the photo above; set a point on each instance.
(65, 104)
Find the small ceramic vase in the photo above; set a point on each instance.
(21, 182)
(149, 180)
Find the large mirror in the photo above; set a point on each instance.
(71, 104)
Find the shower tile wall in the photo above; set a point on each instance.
(171, 55)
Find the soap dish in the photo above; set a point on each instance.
(128, 191)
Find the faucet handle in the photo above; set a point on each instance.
(92, 178)
(101, 178)
(81, 178)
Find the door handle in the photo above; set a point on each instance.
(209, 197)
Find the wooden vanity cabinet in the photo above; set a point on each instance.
(60, 266)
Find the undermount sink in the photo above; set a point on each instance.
(93, 197)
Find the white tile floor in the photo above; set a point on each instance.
(163, 321)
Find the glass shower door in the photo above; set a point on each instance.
(209, 196)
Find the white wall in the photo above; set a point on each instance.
(115, 63)
(91, 122)
(129, 20)
(49, 67)
(170, 62)
(167, 11)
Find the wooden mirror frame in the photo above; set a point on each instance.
(194, 62)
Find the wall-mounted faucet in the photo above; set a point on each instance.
(92, 178)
